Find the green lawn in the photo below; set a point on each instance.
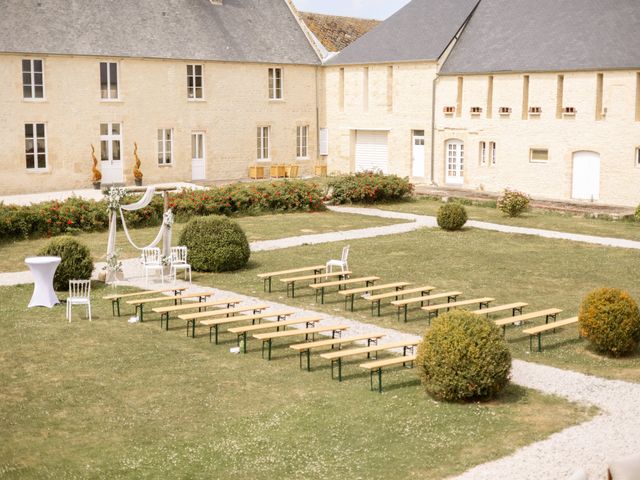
(110, 400)
(264, 227)
(533, 219)
(542, 272)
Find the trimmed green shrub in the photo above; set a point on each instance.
(216, 244)
(463, 357)
(368, 187)
(513, 203)
(610, 319)
(451, 216)
(76, 261)
(636, 215)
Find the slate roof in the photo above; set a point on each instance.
(421, 31)
(548, 35)
(262, 31)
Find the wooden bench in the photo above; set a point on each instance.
(351, 293)
(266, 277)
(214, 324)
(405, 302)
(483, 302)
(377, 366)
(291, 281)
(376, 299)
(267, 338)
(241, 332)
(140, 303)
(166, 311)
(336, 357)
(303, 348)
(546, 327)
(514, 307)
(115, 298)
(368, 281)
(192, 318)
(549, 313)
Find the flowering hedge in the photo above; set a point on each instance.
(74, 215)
(368, 187)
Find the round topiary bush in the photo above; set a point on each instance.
(76, 261)
(216, 244)
(610, 319)
(463, 357)
(513, 203)
(452, 216)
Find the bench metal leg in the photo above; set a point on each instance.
(321, 296)
(380, 380)
(352, 300)
(244, 342)
(540, 342)
(308, 359)
(270, 344)
(339, 369)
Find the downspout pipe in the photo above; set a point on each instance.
(433, 128)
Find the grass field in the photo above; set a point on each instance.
(264, 227)
(544, 273)
(110, 400)
(533, 219)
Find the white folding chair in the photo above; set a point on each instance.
(79, 294)
(179, 262)
(152, 260)
(342, 263)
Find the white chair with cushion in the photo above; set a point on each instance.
(342, 263)
(627, 468)
(179, 262)
(152, 260)
(79, 294)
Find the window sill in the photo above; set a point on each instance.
(196, 100)
(110, 100)
(276, 100)
(303, 159)
(539, 162)
(34, 100)
(38, 171)
(263, 160)
(165, 165)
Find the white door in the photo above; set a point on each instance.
(417, 161)
(198, 156)
(455, 162)
(111, 153)
(586, 176)
(372, 151)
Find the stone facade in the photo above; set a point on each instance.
(152, 96)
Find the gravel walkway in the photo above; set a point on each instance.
(612, 434)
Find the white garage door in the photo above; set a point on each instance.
(586, 176)
(372, 151)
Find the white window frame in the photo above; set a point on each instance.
(165, 147)
(109, 82)
(533, 149)
(276, 83)
(192, 87)
(36, 151)
(110, 138)
(482, 155)
(32, 81)
(263, 143)
(492, 154)
(302, 142)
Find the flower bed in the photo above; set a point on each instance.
(74, 215)
(369, 187)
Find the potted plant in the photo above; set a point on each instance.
(113, 269)
(96, 176)
(137, 173)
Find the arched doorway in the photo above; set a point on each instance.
(454, 166)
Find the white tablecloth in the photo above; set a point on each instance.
(43, 269)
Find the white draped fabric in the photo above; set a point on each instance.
(163, 234)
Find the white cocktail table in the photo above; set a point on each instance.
(43, 269)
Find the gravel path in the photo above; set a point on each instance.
(611, 434)
(428, 221)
